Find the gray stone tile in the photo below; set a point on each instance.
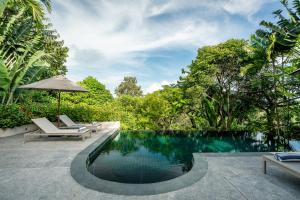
(257, 187)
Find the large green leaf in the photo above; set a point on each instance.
(4, 76)
(3, 4)
(21, 72)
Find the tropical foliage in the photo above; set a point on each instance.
(29, 48)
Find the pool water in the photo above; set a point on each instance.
(150, 156)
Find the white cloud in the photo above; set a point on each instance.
(243, 7)
(118, 28)
(157, 86)
(123, 29)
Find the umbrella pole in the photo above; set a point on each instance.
(58, 110)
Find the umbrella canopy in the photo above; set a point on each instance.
(57, 84)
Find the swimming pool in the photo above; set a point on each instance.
(141, 157)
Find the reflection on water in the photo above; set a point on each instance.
(149, 156)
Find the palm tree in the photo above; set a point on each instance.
(21, 53)
(34, 7)
(282, 37)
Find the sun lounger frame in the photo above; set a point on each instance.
(292, 167)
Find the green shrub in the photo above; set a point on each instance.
(78, 112)
(13, 115)
(47, 110)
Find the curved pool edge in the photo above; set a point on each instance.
(80, 173)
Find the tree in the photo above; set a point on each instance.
(129, 87)
(178, 119)
(97, 93)
(57, 53)
(275, 56)
(155, 112)
(212, 84)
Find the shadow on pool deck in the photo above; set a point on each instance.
(41, 170)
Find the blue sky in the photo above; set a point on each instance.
(150, 39)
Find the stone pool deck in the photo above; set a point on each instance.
(41, 170)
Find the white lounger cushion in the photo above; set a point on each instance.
(287, 156)
(67, 121)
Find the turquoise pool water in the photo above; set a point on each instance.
(151, 156)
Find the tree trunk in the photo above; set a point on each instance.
(194, 125)
(3, 98)
(270, 124)
(276, 100)
(10, 98)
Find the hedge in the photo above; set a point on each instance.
(16, 115)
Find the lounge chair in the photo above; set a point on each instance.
(72, 125)
(46, 128)
(292, 167)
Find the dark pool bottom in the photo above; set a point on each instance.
(141, 157)
(139, 167)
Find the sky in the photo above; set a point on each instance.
(149, 39)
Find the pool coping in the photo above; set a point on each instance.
(233, 154)
(80, 173)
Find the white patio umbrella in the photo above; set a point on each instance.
(57, 84)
